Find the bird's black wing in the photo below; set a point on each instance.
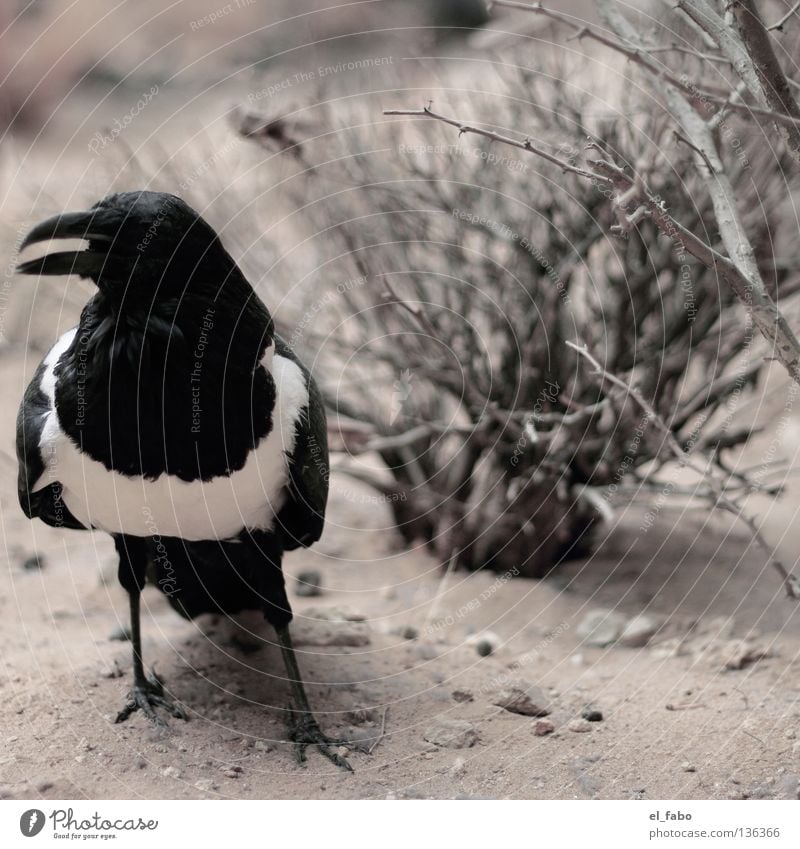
(45, 504)
(302, 518)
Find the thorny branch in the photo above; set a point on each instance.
(463, 128)
(643, 58)
(491, 442)
(632, 192)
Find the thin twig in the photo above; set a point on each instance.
(451, 565)
(779, 24)
(381, 733)
(418, 314)
(699, 151)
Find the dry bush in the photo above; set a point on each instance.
(448, 274)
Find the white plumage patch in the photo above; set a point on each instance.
(192, 510)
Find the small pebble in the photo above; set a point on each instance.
(459, 768)
(409, 633)
(359, 716)
(543, 727)
(113, 671)
(343, 751)
(235, 768)
(262, 746)
(687, 767)
(791, 734)
(171, 772)
(579, 726)
(486, 643)
(205, 784)
(309, 584)
(122, 634)
(592, 715)
(428, 652)
(232, 773)
(462, 696)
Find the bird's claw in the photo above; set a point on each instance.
(305, 731)
(148, 695)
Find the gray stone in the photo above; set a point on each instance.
(639, 631)
(333, 614)
(601, 627)
(459, 768)
(485, 643)
(462, 696)
(737, 654)
(451, 733)
(34, 563)
(309, 584)
(315, 632)
(121, 634)
(523, 699)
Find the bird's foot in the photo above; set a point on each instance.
(148, 695)
(304, 731)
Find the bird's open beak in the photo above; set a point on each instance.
(95, 225)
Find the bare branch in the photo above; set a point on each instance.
(775, 90)
(738, 57)
(746, 283)
(463, 128)
(744, 276)
(717, 489)
(726, 37)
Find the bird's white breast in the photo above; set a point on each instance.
(168, 506)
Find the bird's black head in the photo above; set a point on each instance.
(142, 245)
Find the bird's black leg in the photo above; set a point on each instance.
(147, 693)
(305, 730)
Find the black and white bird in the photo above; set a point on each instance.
(175, 419)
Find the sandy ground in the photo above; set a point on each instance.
(677, 721)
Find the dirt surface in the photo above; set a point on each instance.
(707, 709)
